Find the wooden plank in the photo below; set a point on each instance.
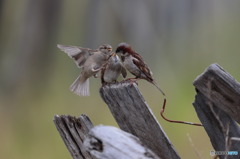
(221, 88)
(73, 132)
(220, 127)
(217, 106)
(107, 142)
(133, 115)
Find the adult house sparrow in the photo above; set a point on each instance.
(134, 63)
(91, 61)
(112, 69)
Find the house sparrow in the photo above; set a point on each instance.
(91, 62)
(112, 69)
(134, 63)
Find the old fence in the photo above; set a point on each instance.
(217, 104)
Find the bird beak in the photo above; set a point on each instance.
(113, 54)
(109, 49)
(119, 52)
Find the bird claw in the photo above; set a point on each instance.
(130, 80)
(95, 76)
(108, 84)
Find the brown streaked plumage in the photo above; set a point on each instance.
(135, 64)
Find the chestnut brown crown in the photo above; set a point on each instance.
(123, 48)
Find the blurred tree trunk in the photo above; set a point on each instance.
(120, 24)
(1, 21)
(160, 27)
(93, 23)
(37, 37)
(1, 8)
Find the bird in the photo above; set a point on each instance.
(90, 61)
(112, 69)
(135, 64)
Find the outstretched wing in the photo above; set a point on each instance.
(138, 61)
(79, 54)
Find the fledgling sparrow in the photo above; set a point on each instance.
(112, 69)
(91, 62)
(135, 64)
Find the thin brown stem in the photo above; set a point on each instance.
(175, 121)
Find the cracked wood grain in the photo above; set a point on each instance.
(73, 132)
(221, 88)
(133, 115)
(217, 105)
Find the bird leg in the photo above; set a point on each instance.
(132, 80)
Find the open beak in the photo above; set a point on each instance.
(119, 53)
(109, 49)
(113, 54)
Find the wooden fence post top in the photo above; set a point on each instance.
(221, 88)
(217, 104)
(133, 115)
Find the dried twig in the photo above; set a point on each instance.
(175, 121)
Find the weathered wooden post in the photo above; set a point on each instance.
(73, 132)
(104, 142)
(217, 104)
(133, 115)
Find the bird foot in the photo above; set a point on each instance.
(108, 84)
(131, 80)
(95, 76)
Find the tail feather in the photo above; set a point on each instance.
(155, 84)
(80, 86)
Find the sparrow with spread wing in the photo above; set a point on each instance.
(91, 62)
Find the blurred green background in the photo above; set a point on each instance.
(178, 39)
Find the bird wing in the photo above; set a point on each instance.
(102, 74)
(123, 71)
(79, 54)
(138, 61)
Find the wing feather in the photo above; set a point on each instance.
(138, 61)
(78, 54)
(123, 71)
